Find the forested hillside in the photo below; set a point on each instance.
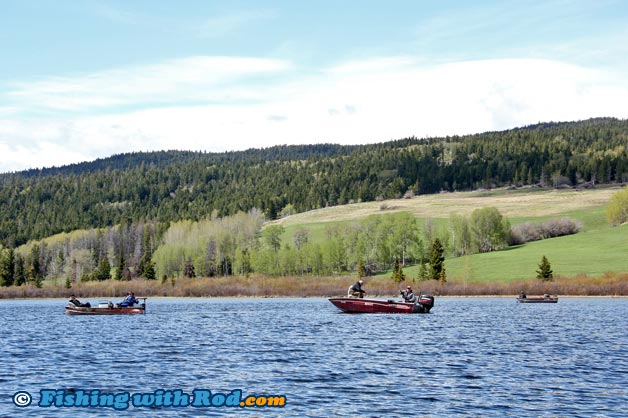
(172, 186)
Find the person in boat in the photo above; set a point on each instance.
(408, 295)
(522, 295)
(356, 290)
(74, 301)
(129, 301)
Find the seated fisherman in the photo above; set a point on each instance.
(129, 301)
(74, 301)
(408, 295)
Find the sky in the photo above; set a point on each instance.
(87, 79)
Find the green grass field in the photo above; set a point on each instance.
(597, 249)
(592, 252)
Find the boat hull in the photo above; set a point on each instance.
(537, 300)
(355, 305)
(75, 310)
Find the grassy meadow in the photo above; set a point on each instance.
(520, 203)
(598, 249)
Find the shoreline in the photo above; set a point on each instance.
(327, 297)
(608, 285)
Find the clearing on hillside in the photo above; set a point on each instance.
(526, 202)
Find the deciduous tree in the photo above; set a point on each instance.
(490, 230)
(617, 212)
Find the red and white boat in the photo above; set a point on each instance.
(106, 308)
(357, 305)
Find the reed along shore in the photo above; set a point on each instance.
(611, 284)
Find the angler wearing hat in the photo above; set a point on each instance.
(408, 295)
(356, 290)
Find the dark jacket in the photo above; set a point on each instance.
(357, 287)
(78, 303)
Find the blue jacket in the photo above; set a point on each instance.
(129, 301)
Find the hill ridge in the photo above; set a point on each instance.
(169, 186)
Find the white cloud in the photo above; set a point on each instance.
(23, 153)
(190, 79)
(357, 102)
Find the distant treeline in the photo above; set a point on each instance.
(172, 186)
(238, 246)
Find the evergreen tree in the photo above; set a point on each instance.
(245, 260)
(361, 269)
(398, 275)
(188, 269)
(545, 270)
(149, 270)
(34, 272)
(437, 260)
(120, 267)
(442, 277)
(121, 263)
(7, 267)
(103, 272)
(423, 271)
(38, 282)
(20, 274)
(147, 254)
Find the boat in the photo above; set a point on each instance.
(541, 299)
(106, 308)
(358, 305)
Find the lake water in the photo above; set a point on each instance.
(479, 357)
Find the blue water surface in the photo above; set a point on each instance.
(476, 357)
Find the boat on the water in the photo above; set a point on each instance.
(541, 299)
(359, 305)
(106, 308)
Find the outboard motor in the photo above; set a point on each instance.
(423, 304)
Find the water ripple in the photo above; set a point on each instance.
(470, 357)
